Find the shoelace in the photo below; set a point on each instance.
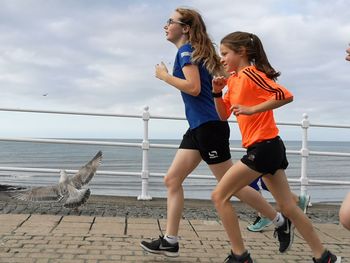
(257, 220)
(276, 232)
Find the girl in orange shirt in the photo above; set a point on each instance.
(252, 95)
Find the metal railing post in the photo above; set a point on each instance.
(304, 180)
(145, 148)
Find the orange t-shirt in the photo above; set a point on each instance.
(251, 87)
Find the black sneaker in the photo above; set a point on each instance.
(285, 234)
(327, 257)
(244, 258)
(161, 246)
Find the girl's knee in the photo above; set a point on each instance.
(171, 182)
(218, 199)
(215, 197)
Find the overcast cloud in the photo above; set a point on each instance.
(99, 56)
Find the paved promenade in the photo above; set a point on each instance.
(110, 229)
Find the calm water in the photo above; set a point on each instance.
(63, 156)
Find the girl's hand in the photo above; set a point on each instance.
(348, 55)
(161, 71)
(219, 83)
(240, 109)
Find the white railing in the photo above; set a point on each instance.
(145, 174)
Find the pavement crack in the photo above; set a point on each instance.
(92, 223)
(159, 227)
(20, 224)
(194, 230)
(126, 224)
(59, 221)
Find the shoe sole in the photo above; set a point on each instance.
(291, 239)
(160, 252)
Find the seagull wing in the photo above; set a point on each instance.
(39, 194)
(76, 197)
(86, 172)
(6, 187)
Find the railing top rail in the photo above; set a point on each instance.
(72, 112)
(329, 126)
(154, 116)
(82, 142)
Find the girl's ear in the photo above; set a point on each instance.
(242, 51)
(185, 29)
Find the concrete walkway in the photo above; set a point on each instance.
(87, 239)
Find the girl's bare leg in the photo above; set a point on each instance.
(238, 176)
(279, 188)
(247, 194)
(185, 161)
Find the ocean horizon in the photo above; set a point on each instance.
(129, 159)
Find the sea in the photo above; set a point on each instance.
(129, 159)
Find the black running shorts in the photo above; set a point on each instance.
(266, 157)
(211, 139)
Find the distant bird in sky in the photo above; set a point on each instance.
(45, 94)
(68, 190)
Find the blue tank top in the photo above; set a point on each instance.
(199, 109)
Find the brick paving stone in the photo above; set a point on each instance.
(111, 232)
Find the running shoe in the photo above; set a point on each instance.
(245, 258)
(285, 235)
(259, 224)
(161, 246)
(328, 257)
(303, 203)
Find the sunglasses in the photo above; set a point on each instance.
(172, 21)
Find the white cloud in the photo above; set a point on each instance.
(100, 55)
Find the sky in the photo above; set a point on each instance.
(99, 56)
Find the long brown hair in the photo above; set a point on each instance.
(254, 50)
(204, 50)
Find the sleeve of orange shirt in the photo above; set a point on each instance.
(266, 89)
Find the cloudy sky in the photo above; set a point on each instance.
(99, 56)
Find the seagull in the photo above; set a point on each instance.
(68, 190)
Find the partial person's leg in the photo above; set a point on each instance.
(185, 161)
(255, 200)
(294, 196)
(344, 212)
(279, 188)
